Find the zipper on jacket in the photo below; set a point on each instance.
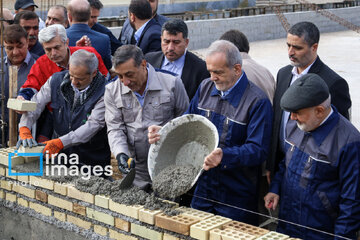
(291, 144)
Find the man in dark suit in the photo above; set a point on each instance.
(147, 30)
(127, 32)
(174, 56)
(79, 15)
(302, 41)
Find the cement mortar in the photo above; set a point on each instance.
(175, 180)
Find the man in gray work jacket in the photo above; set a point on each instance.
(140, 97)
(77, 102)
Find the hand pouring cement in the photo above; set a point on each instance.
(175, 161)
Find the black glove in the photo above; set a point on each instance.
(125, 163)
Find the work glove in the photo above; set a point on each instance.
(53, 146)
(125, 163)
(26, 139)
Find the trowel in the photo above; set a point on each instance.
(129, 178)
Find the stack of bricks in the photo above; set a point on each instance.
(105, 217)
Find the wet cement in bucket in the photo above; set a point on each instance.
(174, 180)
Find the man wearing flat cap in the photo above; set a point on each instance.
(318, 182)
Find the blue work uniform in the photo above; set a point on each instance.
(243, 119)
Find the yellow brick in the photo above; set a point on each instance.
(12, 171)
(23, 202)
(100, 230)
(102, 201)
(2, 194)
(40, 209)
(201, 229)
(24, 190)
(59, 202)
(42, 182)
(10, 197)
(60, 215)
(148, 216)
(37, 149)
(74, 193)
(100, 216)
(6, 185)
(130, 211)
(119, 236)
(229, 234)
(60, 188)
(122, 224)
(24, 179)
(2, 171)
(143, 231)
(15, 160)
(170, 237)
(79, 222)
(190, 212)
(21, 105)
(246, 228)
(273, 235)
(79, 209)
(179, 224)
(41, 196)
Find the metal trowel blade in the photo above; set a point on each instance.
(128, 179)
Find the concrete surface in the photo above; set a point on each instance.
(339, 50)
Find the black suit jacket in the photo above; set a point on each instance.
(340, 98)
(193, 73)
(150, 40)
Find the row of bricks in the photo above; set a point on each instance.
(18, 159)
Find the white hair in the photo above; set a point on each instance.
(49, 33)
(231, 52)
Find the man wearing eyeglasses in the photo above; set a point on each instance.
(30, 22)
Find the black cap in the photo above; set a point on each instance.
(307, 91)
(24, 4)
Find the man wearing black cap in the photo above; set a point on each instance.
(318, 181)
(28, 5)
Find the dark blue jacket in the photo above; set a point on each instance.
(99, 41)
(115, 43)
(319, 180)
(243, 120)
(37, 49)
(68, 116)
(150, 39)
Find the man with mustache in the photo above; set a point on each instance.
(175, 57)
(302, 41)
(30, 22)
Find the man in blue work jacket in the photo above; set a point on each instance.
(318, 182)
(242, 114)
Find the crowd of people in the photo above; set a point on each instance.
(99, 95)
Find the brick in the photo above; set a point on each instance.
(201, 229)
(24, 179)
(246, 228)
(148, 216)
(229, 234)
(79, 209)
(79, 222)
(169, 237)
(130, 211)
(144, 232)
(10, 197)
(100, 230)
(41, 196)
(273, 235)
(15, 160)
(74, 193)
(119, 236)
(60, 188)
(60, 216)
(37, 149)
(42, 182)
(12, 171)
(102, 201)
(23, 202)
(197, 214)
(24, 191)
(122, 224)
(59, 202)
(6, 185)
(179, 224)
(2, 171)
(2, 194)
(21, 105)
(40, 209)
(31, 159)
(100, 216)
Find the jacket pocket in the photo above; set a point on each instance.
(126, 106)
(162, 108)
